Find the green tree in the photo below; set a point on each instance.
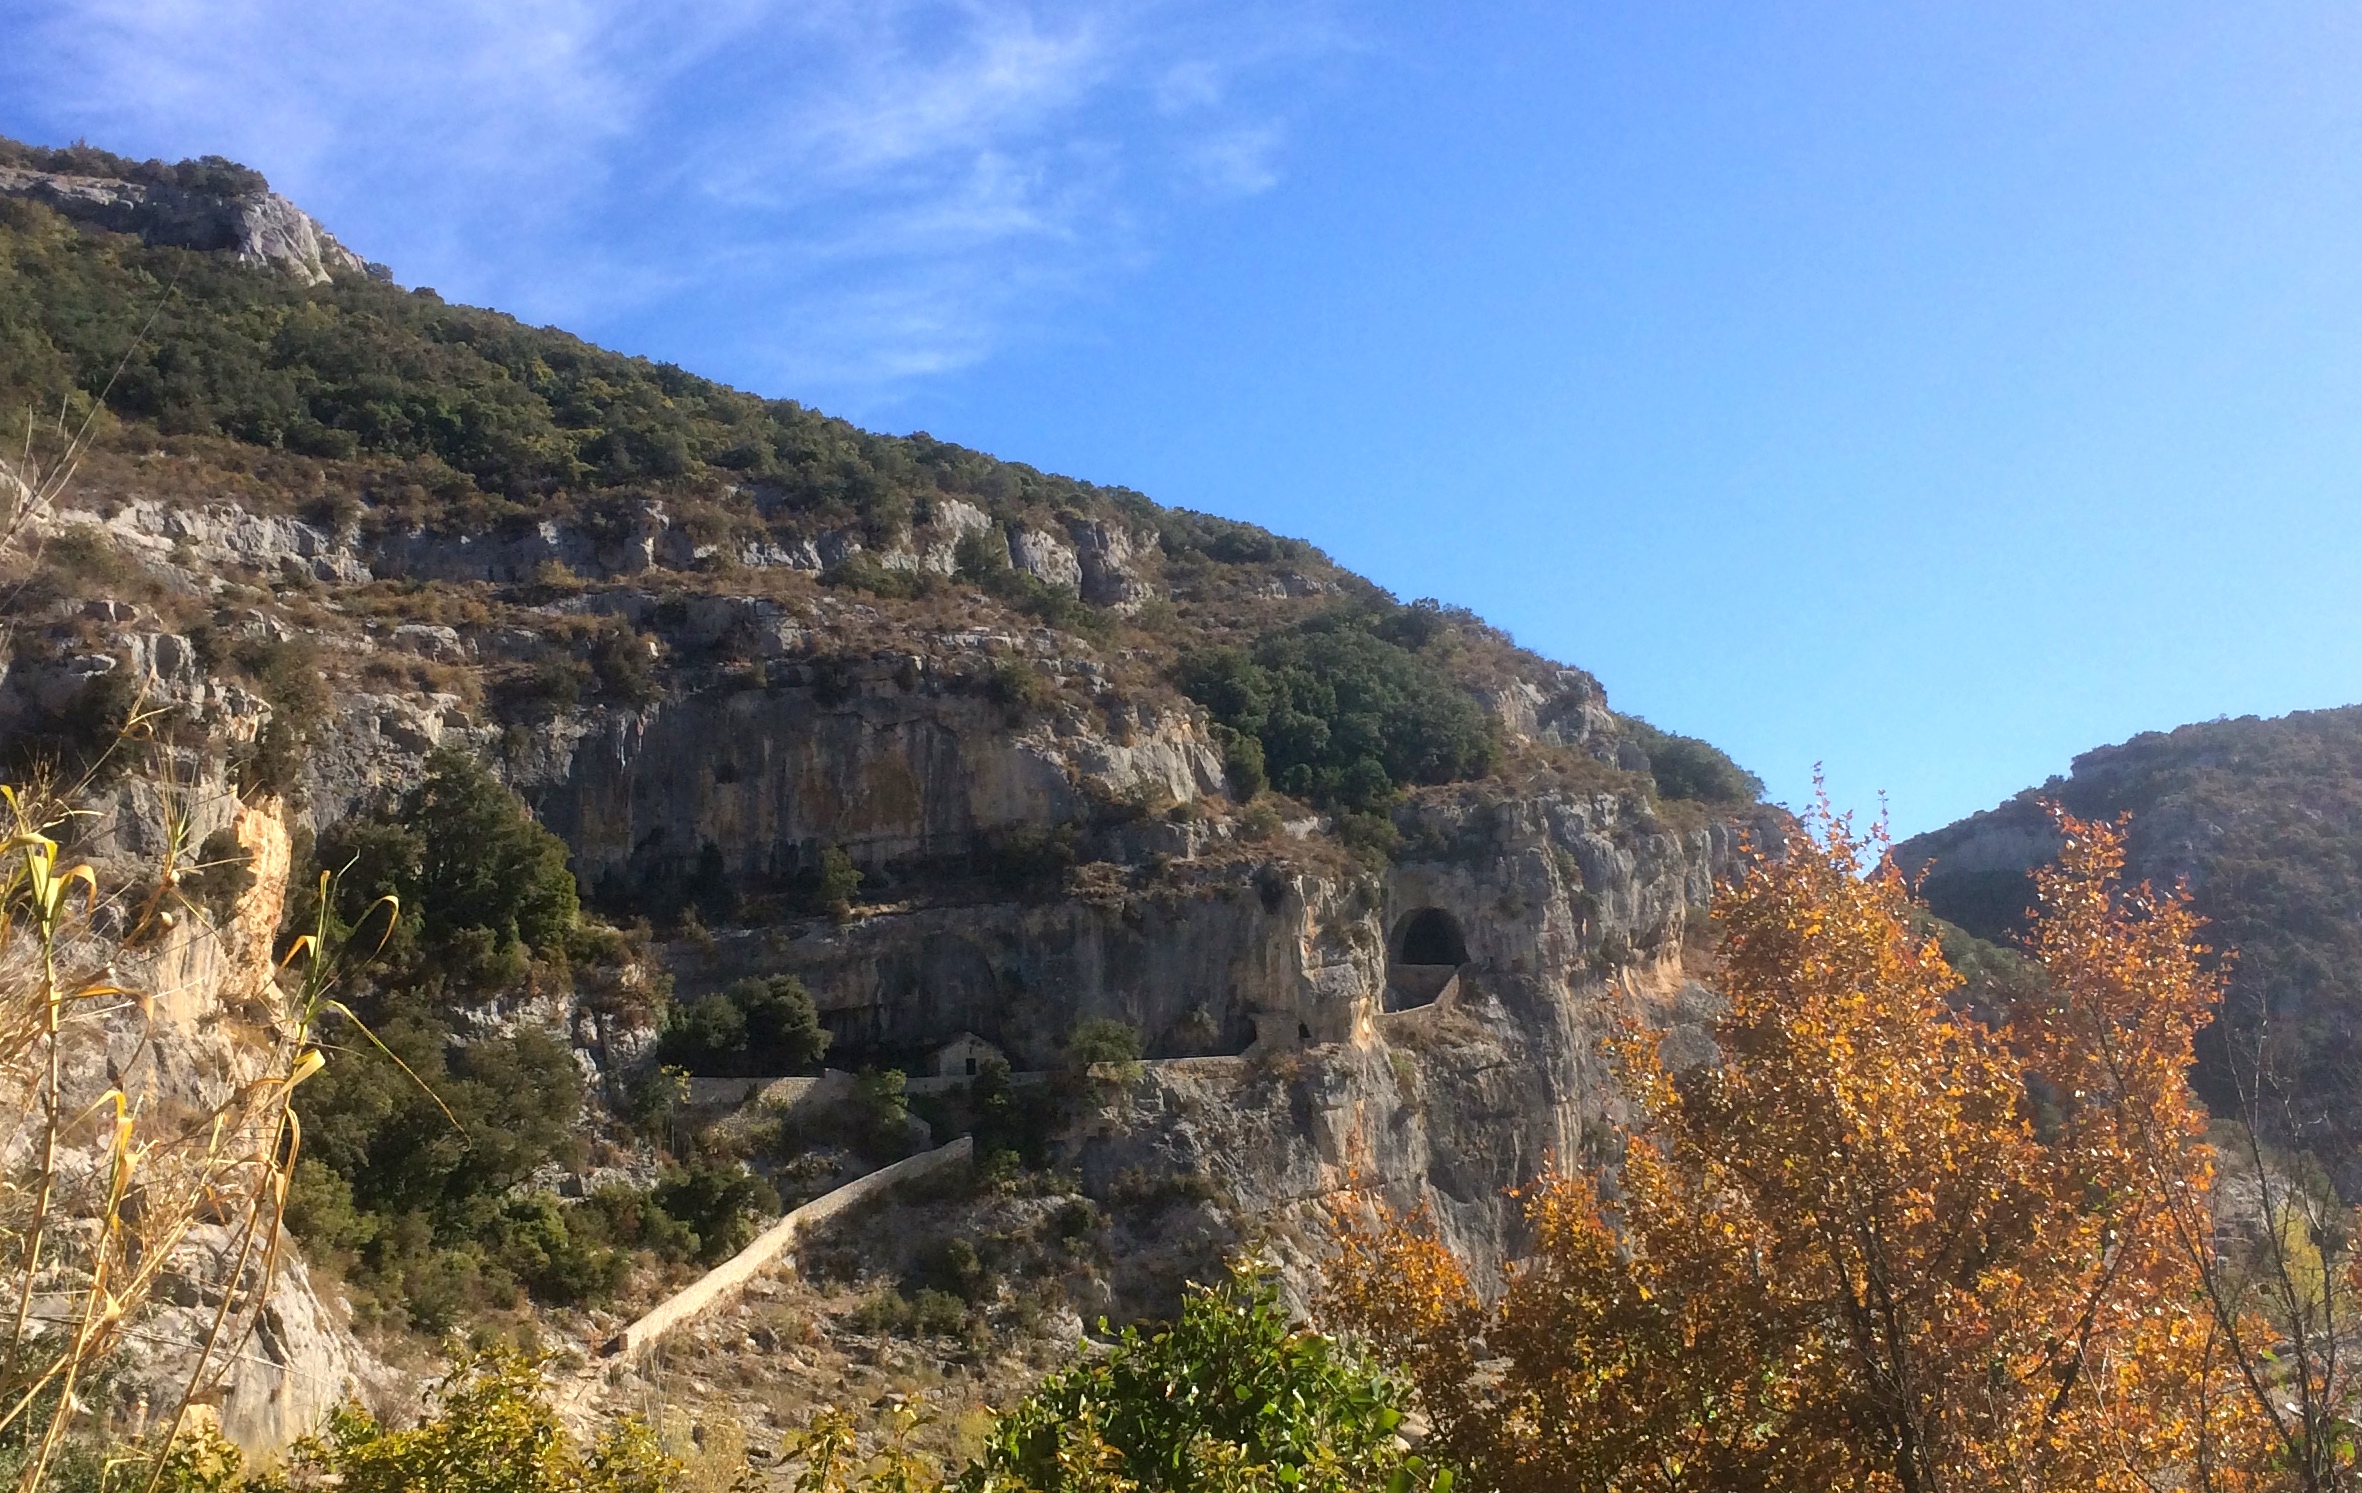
(482, 886)
(840, 879)
(414, 1157)
(1102, 1039)
(756, 1027)
(719, 1202)
(1346, 709)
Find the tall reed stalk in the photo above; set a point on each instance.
(105, 1168)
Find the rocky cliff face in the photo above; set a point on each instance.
(259, 227)
(1563, 907)
(188, 1054)
(1268, 954)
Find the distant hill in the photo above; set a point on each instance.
(2262, 819)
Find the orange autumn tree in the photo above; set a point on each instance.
(1889, 1242)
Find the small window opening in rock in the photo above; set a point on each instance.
(1304, 1031)
(1429, 936)
(971, 1067)
(725, 772)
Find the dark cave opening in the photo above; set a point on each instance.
(1430, 936)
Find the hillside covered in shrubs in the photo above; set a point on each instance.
(2262, 821)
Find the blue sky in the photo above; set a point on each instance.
(1930, 390)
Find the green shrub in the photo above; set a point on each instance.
(1183, 532)
(1101, 1039)
(630, 1218)
(718, 1202)
(1242, 763)
(83, 553)
(840, 880)
(937, 1314)
(494, 1431)
(983, 562)
(215, 175)
(1345, 708)
(931, 1313)
(1230, 1397)
(880, 1114)
(620, 662)
(413, 1161)
(980, 555)
(1007, 1120)
(1373, 837)
(1016, 684)
(321, 1211)
(536, 1238)
(754, 1028)
(1686, 768)
(481, 885)
(952, 1267)
(861, 571)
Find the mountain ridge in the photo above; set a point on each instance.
(2261, 819)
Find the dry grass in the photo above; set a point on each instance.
(104, 1171)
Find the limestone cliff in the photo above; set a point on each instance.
(258, 226)
(1215, 939)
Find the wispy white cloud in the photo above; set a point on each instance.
(1243, 161)
(842, 193)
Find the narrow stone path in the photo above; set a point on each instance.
(722, 1282)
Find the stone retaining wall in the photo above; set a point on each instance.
(720, 1283)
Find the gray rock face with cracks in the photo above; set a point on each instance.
(261, 228)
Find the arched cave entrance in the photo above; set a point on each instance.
(1429, 936)
(1428, 952)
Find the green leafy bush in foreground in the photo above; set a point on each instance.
(1230, 1397)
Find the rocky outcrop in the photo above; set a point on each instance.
(1265, 993)
(1107, 560)
(949, 521)
(1046, 558)
(895, 759)
(223, 536)
(260, 228)
(193, 1058)
(280, 1374)
(1045, 835)
(1568, 910)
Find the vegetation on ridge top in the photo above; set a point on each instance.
(412, 412)
(468, 414)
